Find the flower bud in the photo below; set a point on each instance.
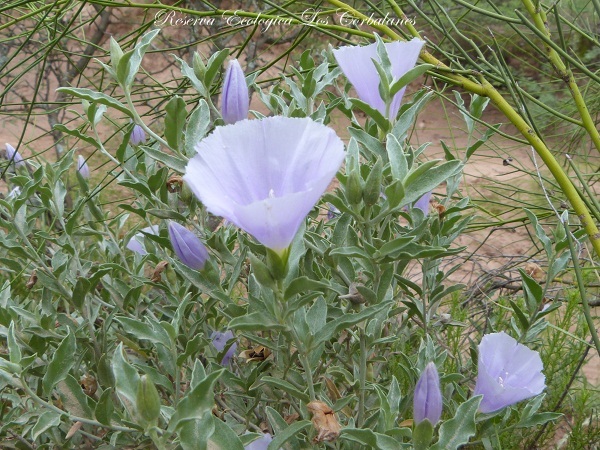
(428, 397)
(354, 188)
(147, 402)
(82, 167)
(372, 189)
(190, 250)
(199, 67)
(14, 156)
(235, 101)
(138, 135)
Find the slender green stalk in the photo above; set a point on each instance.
(581, 287)
(362, 379)
(541, 22)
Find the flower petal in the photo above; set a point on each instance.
(265, 175)
(357, 64)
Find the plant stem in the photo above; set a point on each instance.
(581, 286)
(541, 23)
(362, 379)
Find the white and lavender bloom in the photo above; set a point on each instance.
(138, 136)
(423, 203)
(357, 64)
(508, 372)
(14, 156)
(136, 243)
(14, 193)
(427, 400)
(82, 167)
(265, 175)
(260, 444)
(219, 340)
(235, 101)
(190, 250)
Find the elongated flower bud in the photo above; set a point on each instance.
(14, 156)
(428, 397)
(235, 100)
(190, 250)
(147, 401)
(82, 167)
(138, 135)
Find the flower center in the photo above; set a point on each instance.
(502, 377)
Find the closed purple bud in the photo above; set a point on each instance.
(219, 340)
(265, 175)
(357, 64)
(428, 396)
(14, 156)
(138, 135)
(136, 243)
(235, 101)
(332, 212)
(260, 444)
(190, 250)
(82, 167)
(508, 372)
(423, 203)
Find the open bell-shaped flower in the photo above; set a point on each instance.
(190, 250)
(219, 340)
(235, 101)
(82, 167)
(508, 372)
(265, 175)
(14, 156)
(357, 64)
(427, 400)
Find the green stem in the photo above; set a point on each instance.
(581, 286)
(158, 442)
(541, 23)
(362, 379)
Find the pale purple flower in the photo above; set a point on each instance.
(136, 243)
(508, 372)
(138, 135)
(260, 444)
(265, 175)
(332, 212)
(219, 340)
(190, 250)
(423, 203)
(357, 64)
(235, 100)
(82, 167)
(427, 402)
(14, 156)
(14, 193)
